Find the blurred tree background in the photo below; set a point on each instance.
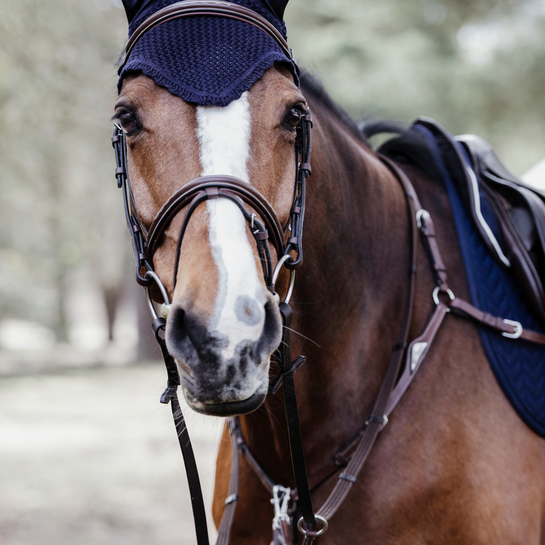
(474, 66)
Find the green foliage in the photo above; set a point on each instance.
(474, 66)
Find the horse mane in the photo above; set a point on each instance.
(405, 147)
(314, 88)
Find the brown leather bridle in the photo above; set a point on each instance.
(265, 227)
(262, 218)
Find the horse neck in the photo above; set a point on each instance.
(348, 301)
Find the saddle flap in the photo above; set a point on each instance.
(520, 211)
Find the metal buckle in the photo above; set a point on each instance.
(518, 329)
(231, 499)
(321, 531)
(421, 215)
(280, 501)
(379, 419)
(252, 224)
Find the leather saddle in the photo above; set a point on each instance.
(516, 239)
(520, 212)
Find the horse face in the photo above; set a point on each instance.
(224, 324)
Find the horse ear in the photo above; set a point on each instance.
(134, 7)
(277, 7)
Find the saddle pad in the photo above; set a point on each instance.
(518, 365)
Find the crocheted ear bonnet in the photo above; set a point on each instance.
(207, 60)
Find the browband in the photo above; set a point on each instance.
(218, 8)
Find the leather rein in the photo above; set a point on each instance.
(267, 230)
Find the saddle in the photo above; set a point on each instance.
(519, 210)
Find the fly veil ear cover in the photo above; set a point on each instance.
(205, 59)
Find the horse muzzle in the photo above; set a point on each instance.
(224, 373)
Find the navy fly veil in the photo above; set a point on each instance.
(206, 60)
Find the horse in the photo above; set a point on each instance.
(455, 464)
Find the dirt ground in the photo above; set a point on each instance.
(91, 457)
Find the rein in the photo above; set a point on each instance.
(267, 230)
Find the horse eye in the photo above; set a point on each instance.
(293, 118)
(127, 121)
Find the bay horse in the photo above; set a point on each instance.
(455, 464)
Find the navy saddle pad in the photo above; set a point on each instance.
(518, 365)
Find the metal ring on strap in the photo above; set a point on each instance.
(217, 8)
(165, 307)
(276, 272)
(518, 329)
(436, 292)
(322, 530)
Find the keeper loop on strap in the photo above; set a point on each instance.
(286, 312)
(347, 477)
(231, 499)
(374, 419)
(308, 118)
(168, 394)
(158, 324)
(212, 192)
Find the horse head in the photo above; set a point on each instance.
(224, 323)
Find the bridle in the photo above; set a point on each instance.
(265, 225)
(267, 230)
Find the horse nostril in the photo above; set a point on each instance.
(189, 340)
(176, 334)
(177, 317)
(272, 329)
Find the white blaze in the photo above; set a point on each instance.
(224, 138)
